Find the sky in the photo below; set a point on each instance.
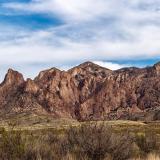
(40, 34)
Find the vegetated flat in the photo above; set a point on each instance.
(34, 132)
(33, 122)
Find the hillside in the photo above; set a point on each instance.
(85, 92)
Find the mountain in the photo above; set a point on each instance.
(85, 92)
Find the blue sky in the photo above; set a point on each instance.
(39, 34)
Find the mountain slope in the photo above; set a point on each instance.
(85, 92)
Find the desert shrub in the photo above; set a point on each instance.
(12, 145)
(38, 149)
(47, 147)
(121, 146)
(92, 140)
(147, 142)
(98, 142)
(42, 152)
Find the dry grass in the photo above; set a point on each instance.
(151, 156)
(64, 139)
(89, 141)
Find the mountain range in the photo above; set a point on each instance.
(85, 92)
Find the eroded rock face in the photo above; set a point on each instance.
(85, 92)
(157, 68)
(13, 78)
(12, 84)
(31, 87)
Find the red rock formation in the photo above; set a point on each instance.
(85, 92)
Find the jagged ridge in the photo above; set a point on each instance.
(85, 92)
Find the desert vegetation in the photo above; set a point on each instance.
(89, 141)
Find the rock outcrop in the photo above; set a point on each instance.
(85, 92)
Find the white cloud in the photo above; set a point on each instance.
(69, 10)
(86, 10)
(49, 46)
(94, 30)
(110, 65)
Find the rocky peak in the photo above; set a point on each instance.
(157, 68)
(13, 78)
(90, 69)
(91, 66)
(47, 74)
(31, 86)
(157, 64)
(88, 64)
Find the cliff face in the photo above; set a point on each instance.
(86, 92)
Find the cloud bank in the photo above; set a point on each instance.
(92, 30)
